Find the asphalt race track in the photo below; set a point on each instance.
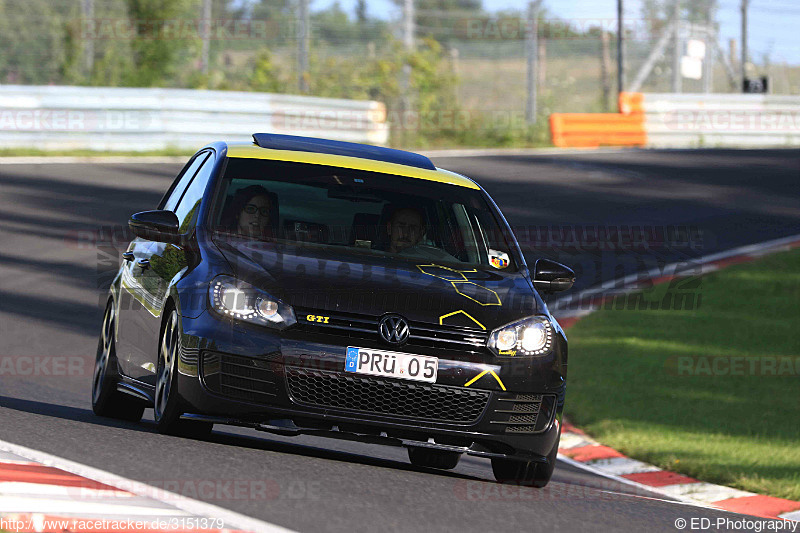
(54, 278)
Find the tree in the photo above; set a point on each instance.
(157, 48)
(227, 9)
(32, 39)
(440, 18)
(278, 16)
(266, 76)
(361, 12)
(333, 25)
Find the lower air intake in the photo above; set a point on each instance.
(436, 403)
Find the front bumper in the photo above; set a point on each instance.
(246, 375)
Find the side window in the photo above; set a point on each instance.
(190, 203)
(183, 180)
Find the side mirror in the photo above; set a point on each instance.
(549, 276)
(159, 226)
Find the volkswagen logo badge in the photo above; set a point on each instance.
(393, 329)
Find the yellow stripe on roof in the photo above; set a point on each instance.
(355, 163)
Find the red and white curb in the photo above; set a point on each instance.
(579, 449)
(43, 493)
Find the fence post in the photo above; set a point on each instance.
(303, 39)
(532, 41)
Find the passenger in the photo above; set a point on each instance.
(249, 212)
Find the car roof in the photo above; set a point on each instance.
(296, 153)
(330, 146)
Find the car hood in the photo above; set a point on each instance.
(324, 279)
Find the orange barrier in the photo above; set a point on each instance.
(631, 103)
(597, 129)
(591, 130)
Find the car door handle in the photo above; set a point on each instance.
(143, 263)
(128, 256)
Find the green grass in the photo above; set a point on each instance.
(628, 390)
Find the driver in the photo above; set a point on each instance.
(406, 228)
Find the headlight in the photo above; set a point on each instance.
(531, 336)
(236, 299)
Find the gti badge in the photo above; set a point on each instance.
(393, 329)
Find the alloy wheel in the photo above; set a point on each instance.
(167, 352)
(104, 354)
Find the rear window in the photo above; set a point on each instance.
(360, 212)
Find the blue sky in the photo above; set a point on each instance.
(772, 27)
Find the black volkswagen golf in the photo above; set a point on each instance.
(306, 286)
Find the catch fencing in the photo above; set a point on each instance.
(143, 119)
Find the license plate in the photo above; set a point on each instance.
(391, 364)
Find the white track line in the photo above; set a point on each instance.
(621, 466)
(703, 492)
(231, 519)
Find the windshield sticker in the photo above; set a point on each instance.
(498, 259)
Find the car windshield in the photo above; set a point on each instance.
(360, 212)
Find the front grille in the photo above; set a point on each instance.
(523, 413)
(385, 396)
(356, 326)
(239, 378)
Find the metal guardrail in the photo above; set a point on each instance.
(134, 119)
(721, 120)
(685, 121)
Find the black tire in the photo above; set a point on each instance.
(430, 458)
(527, 473)
(167, 408)
(107, 401)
